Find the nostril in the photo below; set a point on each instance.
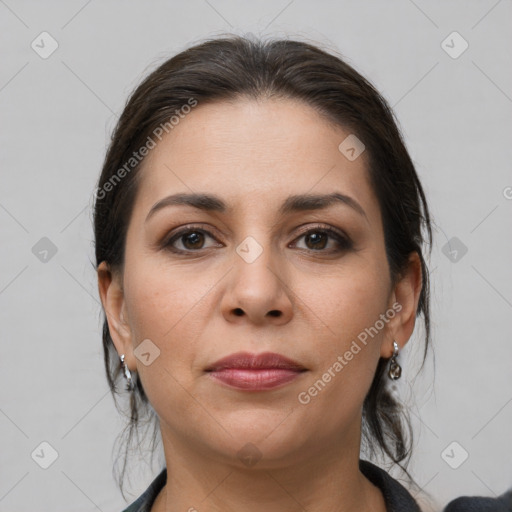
(274, 312)
(238, 312)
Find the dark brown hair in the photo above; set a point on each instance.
(230, 67)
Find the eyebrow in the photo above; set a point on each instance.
(295, 203)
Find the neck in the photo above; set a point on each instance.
(318, 481)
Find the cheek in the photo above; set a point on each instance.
(348, 301)
(348, 351)
(347, 340)
(168, 308)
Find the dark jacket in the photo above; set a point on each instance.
(396, 496)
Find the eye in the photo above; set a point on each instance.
(190, 239)
(317, 239)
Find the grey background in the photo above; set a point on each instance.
(56, 117)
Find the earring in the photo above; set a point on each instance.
(127, 375)
(395, 370)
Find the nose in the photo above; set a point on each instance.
(257, 291)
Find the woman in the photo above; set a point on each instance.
(259, 231)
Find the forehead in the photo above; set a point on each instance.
(250, 152)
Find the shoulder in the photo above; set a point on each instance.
(396, 496)
(502, 503)
(145, 501)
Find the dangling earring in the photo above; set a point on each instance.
(127, 375)
(395, 370)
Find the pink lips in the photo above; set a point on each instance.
(255, 372)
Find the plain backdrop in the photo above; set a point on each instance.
(452, 94)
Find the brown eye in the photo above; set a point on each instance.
(193, 240)
(189, 240)
(318, 239)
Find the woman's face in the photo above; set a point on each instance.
(255, 271)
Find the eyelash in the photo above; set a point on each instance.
(344, 243)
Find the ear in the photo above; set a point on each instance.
(405, 297)
(112, 297)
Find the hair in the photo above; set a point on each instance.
(231, 67)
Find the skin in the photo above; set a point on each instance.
(254, 154)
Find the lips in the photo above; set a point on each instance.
(255, 372)
(265, 361)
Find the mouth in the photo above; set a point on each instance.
(255, 372)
